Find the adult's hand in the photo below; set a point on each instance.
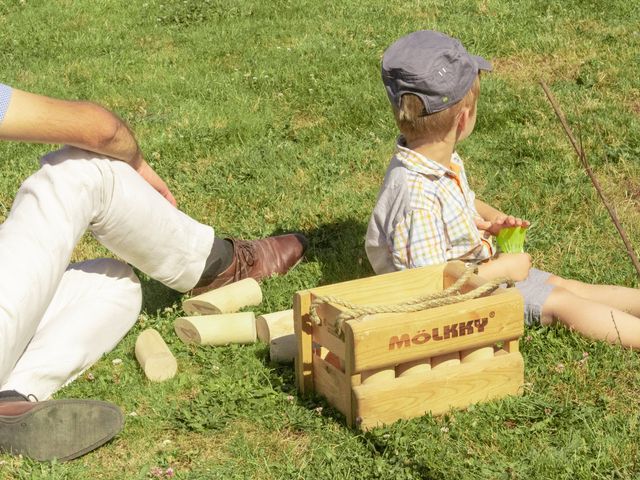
(146, 172)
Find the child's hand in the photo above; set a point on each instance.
(499, 222)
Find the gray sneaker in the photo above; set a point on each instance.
(61, 429)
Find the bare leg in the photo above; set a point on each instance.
(513, 265)
(622, 298)
(592, 319)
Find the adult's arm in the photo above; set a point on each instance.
(40, 119)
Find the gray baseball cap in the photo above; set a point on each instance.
(431, 65)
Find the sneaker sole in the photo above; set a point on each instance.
(60, 429)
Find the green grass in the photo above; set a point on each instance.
(266, 117)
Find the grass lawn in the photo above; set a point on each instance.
(269, 116)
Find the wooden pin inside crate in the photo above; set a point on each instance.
(387, 366)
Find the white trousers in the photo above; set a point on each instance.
(57, 319)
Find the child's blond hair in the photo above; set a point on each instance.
(414, 124)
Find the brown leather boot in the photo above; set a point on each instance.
(258, 259)
(61, 429)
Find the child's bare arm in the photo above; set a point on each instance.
(513, 265)
(486, 211)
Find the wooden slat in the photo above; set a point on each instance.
(303, 330)
(355, 378)
(325, 338)
(333, 385)
(390, 339)
(328, 313)
(512, 345)
(439, 390)
(388, 288)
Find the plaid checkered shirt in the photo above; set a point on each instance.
(425, 214)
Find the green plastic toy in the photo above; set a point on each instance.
(511, 239)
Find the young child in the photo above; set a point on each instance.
(426, 213)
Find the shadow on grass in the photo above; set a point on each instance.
(155, 296)
(338, 248)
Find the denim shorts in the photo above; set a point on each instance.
(535, 291)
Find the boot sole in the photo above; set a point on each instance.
(60, 429)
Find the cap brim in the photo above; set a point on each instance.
(481, 63)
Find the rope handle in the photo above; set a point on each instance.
(447, 296)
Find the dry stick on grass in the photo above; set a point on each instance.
(617, 331)
(583, 159)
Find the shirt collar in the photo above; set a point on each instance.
(420, 164)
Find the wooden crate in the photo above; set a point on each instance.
(362, 370)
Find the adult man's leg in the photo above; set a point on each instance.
(141, 227)
(50, 213)
(96, 304)
(76, 189)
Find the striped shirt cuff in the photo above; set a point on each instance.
(5, 97)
